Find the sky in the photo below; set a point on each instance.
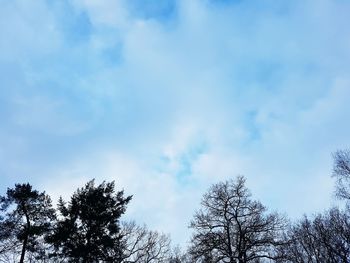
(168, 97)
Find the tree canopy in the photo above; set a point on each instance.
(88, 229)
(341, 171)
(27, 216)
(231, 227)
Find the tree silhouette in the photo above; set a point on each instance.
(89, 229)
(144, 246)
(232, 228)
(26, 217)
(341, 171)
(325, 238)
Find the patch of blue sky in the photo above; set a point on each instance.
(62, 103)
(186, 160)
(33, 100)
(112, 55)
(226, 2)
(252, 127)
(277, 7)
(78, 28)
(163, 10)
(265, 73)
(74, 24)
(12, 80)
(60, 73)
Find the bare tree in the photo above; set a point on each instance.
(178, 256)
(325, 238)
(144, 246)
(232, 228)
(10, 248)
(341, 171)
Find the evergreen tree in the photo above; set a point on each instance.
(89, 228)
(26, 216)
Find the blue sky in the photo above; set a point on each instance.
(168, 97)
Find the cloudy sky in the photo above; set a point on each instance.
(167, 97)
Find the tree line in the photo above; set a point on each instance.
(230, 227)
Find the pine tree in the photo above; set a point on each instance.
(27, 216)
(89, 228)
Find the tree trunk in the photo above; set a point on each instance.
(24, 247)
(25, 241)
